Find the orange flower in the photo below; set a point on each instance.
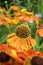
(6, 19)
(20, 56)
(21, 39)
(10, 52)
(2, 9)
(26, 18)
(27, 12)
(14, 7)
(39, 32)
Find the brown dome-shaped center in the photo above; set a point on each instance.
(4, 57)
(23, 31)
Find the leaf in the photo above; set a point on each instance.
(3, 33)
(3, 38)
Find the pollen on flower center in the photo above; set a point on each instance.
(22, 31)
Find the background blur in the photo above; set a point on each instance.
(35, 5)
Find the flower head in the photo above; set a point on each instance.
(21, 39)
(39, 32)
(14, 7)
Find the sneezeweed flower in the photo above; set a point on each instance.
(36, 60)
(26, 18)
(3, 20)
(10, 54)
(14, 7)
(7, 19)
(6, 59)
(2, 9)
(12, 21)
(21, 39)
(39, 32)
(32, 57)
(27, 12)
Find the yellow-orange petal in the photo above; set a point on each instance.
(14, 41)
(24, 45)
(31, 42)
(14, 7)
(11, 38)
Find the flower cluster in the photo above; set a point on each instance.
(23, 43)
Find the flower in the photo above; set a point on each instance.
(21, 39)
(12, 21)
(26, 18)
(4, 57)
(2, 9)
(7, 51)
(37, 60)
(27, 12)
(33, 60)
(20, 56)
(14, 7)
(39, 32)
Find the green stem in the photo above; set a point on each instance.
(6, 6)
(37, 26)
(8, 28)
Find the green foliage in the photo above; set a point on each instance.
(3, 34)
(4, 31)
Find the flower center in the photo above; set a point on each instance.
(4, 57)
(23, 31)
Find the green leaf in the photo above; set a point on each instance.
(3, 38)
